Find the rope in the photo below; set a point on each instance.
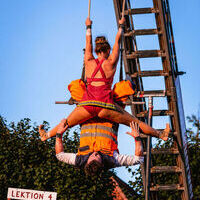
(83, 69)
(89, 6)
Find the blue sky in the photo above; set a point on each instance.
(41, 46)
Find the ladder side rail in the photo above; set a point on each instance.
(118, 10)
(135, 48)
(130, 68)
(136, 68)
(168, 29)
(173, 104)
(182, 162)
(149, 146)
(169, 80)
(130, 65)
(168, 34)
(130, 45)
(172, 35)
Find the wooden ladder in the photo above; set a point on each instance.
(171, 93)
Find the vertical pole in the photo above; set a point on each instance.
(148, 155)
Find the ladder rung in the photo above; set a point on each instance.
(142, 32)
(153, 93)
(163, 151)
(149, 73)
(166, 169)
(129, 102)
(166, 187)
(155, 113)
(136, 11)
(145, 54)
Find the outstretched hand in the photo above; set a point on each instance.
(134, 130)
(62, 127)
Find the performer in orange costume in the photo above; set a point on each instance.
(99, 150)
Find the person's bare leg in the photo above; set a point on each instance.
(123, 117)
(77, 116)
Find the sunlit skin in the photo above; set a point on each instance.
(94, 156)
(110, 63)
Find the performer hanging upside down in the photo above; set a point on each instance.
(98, 97)
(101, 151)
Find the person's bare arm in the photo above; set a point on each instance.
(135, 133)
(68, 158)
(130, 160)
(116, 48)
(61, 129)
(59, 145)
(88, 48)
(138, 148)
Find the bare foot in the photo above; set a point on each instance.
(164, 135)
(43, 133)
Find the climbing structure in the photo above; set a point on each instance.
(171, 93)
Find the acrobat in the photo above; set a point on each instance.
(98, 100)
(95, 154)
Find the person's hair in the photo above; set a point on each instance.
(93, 168)
(101, 45)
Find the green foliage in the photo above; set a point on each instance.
(194, 154)
(28, 163)
(169, 160)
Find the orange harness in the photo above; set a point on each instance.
(98, 135)
(121, 90)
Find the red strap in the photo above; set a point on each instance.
(99, 68)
